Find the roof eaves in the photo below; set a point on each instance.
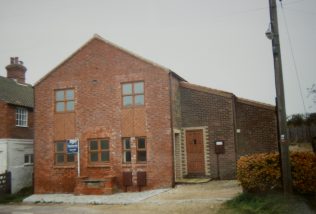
(256, 103)
(206, 89)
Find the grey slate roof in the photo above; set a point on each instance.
(16, 93)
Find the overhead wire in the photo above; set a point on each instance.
(293, 57)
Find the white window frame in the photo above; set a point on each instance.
(30, 158)
(21, 118)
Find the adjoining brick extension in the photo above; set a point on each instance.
(244, 126)
(256, 124)
(172, 107)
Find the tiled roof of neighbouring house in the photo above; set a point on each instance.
(16, 93)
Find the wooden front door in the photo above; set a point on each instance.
(195, 152)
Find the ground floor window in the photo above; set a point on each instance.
(99, 150)
(61, 156)
(28, 159)
(141, 149)
(127, 153)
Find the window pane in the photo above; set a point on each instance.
(70, 157)
(127, 144)
(60, 107)
(59, 96)
(59, 158)
(94, 156)
(141, 155)
(128, 156)
(105, 156)
(139, 100)
(70, 105)
(60, 147)
(70, 94)
(127, 100)
(139, 88)
(32, 158)
(127, 88)
(26, 158)
(104, 144)
(141, 143)
(93, 145)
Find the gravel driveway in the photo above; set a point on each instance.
(190, 198)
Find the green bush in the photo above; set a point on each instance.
(261, 172)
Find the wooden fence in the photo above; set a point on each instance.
(301, 133)
(5, 183)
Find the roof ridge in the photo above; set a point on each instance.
(100, 38)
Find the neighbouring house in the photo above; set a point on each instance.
(16, 128)
(139, 125)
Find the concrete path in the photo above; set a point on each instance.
(118, 198)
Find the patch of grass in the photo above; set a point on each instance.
(275, 203)
(17, 197)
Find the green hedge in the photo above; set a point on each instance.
(261, 172)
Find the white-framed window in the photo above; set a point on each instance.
(28, 159)
(21, 117)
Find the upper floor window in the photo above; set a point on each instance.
(64, 100)
(133, 94)
(21, 117)
(99, 150)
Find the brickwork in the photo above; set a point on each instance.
(200, 108)
(256, 126)
(96, 73)
(8, 127)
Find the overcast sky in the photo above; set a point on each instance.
(218, 44)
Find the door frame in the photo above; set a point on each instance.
(206, 148)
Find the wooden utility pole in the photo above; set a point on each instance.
(273, 34)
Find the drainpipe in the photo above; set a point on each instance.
(234, 100)
(171, 126)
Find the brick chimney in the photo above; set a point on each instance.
(16, 70)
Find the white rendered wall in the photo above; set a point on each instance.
(3, 156)
(21, 173)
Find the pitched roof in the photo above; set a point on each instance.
(15, 93)
(226, 94)
(206, 89)
(96, 36)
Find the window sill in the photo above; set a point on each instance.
(28, 164)
(127, 165)
(21, 126)
(64, 167)
(131, 107)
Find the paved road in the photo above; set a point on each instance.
(193, 198)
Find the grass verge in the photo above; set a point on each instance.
(269, 203)
(17, 197)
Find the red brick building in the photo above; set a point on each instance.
(138, 123)
(16, 125)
